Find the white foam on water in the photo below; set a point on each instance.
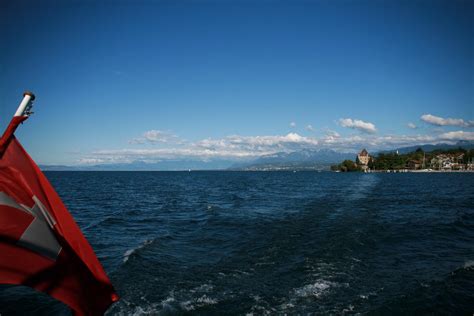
(130, 252)
(286, 306)
(206, 300)
(147, 309)
(202, 301)
(167, 301)
(313, 290)
(205, 288)
(349, 309)
(469, 265)
(367, 296)
(256, 297)
(262, 310)
(140, 311)
(235, 273)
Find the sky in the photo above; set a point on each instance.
(151, 80)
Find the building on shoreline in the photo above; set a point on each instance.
(448, 162)
(363, 159)
(414, 164)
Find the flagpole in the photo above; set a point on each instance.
(24, 109)
(21, 114)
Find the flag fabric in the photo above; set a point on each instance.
(41, 246)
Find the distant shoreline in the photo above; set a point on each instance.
(262, 171)
(421, 171)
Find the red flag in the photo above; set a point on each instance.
(40, 244)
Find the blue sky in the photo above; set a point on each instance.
(151, 80)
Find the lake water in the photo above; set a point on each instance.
(272, 242)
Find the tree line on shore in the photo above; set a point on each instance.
(417, 159)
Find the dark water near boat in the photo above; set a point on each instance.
(273, 242)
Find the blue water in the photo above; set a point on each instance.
(273, 242)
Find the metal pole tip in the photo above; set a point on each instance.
(31, 94)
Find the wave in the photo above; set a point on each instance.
(112, 219)
(130, 252)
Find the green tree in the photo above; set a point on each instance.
(349, 165)
(371, 164)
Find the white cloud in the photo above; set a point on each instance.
(440, 121)
(412, 125)
(91, 161)
(333, 133)
(356, 142)
(365, 127)
(457, 135)
(309, 127)
(331, 137)
(292, 124)
(258, 143)
(155, 136)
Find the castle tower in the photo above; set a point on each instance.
(363, 157)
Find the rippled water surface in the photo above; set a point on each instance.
(273, 242)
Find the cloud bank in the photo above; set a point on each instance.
(440, 121)
(360, 125)
(457, 135)
(154, 137)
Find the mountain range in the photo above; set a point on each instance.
(429, 147)
(298, 160)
